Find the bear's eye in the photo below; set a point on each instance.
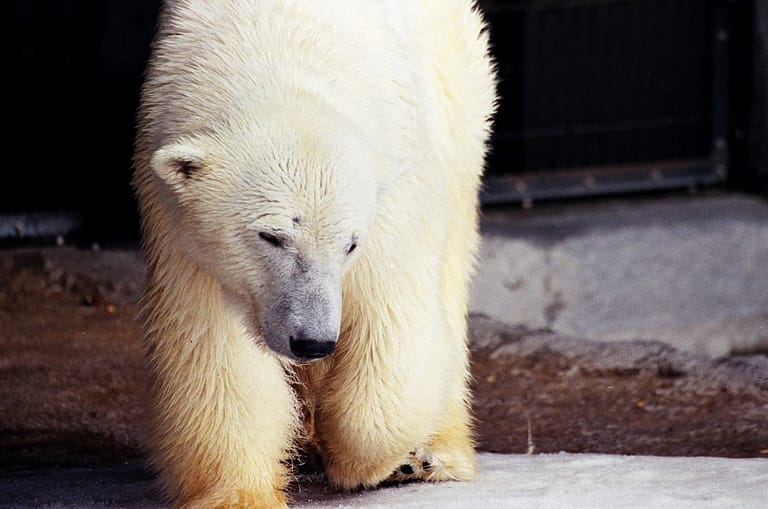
(274, 240)
(351, 248)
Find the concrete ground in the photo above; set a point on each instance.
(691, 271)
(556, 481)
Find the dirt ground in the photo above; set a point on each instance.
(71, 378)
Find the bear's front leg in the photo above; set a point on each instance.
(397, 384)
(222, 415)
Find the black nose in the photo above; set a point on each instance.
(306, 349)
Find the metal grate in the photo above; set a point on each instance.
(606, 95)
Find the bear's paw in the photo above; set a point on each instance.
(424, 464)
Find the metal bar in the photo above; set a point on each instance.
(591, 181)
(597, 128)
(720, 88)
(494, 6)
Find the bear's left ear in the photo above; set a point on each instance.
(177, 163)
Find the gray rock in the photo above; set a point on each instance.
(687, 271)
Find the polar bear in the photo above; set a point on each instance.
(307, 175)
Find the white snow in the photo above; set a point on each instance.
(572, 481)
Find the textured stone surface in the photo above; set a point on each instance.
(688, 271)
(547, 392)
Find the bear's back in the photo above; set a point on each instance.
(215, 61)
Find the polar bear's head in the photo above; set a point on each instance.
(276, 213)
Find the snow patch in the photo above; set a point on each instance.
(553, 481)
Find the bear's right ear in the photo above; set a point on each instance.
(177, 163)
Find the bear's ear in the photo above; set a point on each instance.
(178, 162)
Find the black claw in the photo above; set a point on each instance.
(406, 469)
(426, 465)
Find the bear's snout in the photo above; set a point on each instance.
(304, 348)
(303, 319)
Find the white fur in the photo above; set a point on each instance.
(322, 124)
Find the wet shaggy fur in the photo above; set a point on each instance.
(310, 170)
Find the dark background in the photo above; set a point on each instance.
(625, 93)
(76, 73)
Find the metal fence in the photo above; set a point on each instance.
(602, 96)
